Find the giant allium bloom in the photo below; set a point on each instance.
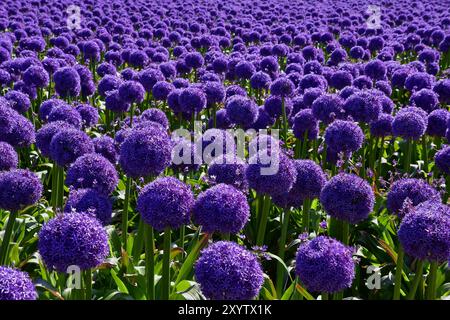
(45, 134)
(69, 144)
(347, 197)
(426, 99)
(344, 136)
(165, 203)
(221, 208)
(230, 170)
(241, 110)
(93, 171)
(36, 76)
(19, 188)
(437, 122)
(363, 106)
(19, 101)
(67, 82)
(327, 107)
(15, 129)
(16, 285)
(383, 126)
(271, 172)
(8, 157)
(145, 152)
(106, 147)
(192, 100)
(304, 121)
(274, 106)
(131, 92)
(308, 184)
(92, 202)
(425, 232)
(410, 123)
(67, 114)
(442, 159)
(73, 238)
(325, 265)
(415, 190)
(282, 87)
(227, 271)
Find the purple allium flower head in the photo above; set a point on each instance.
(16, 285)
(45, 134)
(67, 82)
(227, 271)
(425, 232)
(324, 264)
(274, 106)
(309, 182)
(282, 87)
(131, 92)
(426, 99)
(222, 120)
(68, 144)
(419, 80)
(114, 103)
(221, 208)
(194, 60)
(410, 123)
(19, 188)
(18, 101)
(9, 159)
(36, 76)
(66, 113)
(310, 95)
(161, 90)
(442, 88)
(234, 90)
(105, 69)
(341, 79)
(89, 115)
(185, 156)
(149, 77)
(229, 170)
(263, 120)
(304, 121)
(145, 152)
(356, 52)
(165, 203)
(241, 110)
(260, 80)
(215, 93)
(347, 197)
(344, 136)
(90, 201)
(375, 69)
(273, 182)
(106, 147)
(442, 159)
(138, 59)
(108, 83)
(327, 107)
(416, 190)
(92, 171)
(363, 106)
(244, 70)
(47, 106)
(383, 126)
(155, 115)
(437, 122)
(192, 100)
(73, 238)
(15, 129)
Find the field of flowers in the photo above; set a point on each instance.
(224, 150)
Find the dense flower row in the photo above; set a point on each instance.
(90, 103)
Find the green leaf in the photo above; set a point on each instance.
(120, 285)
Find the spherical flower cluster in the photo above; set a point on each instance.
(229, 170)
(325, 265)
(437, 122)
(347, 197)
(442, 159)
(241, 110)
(68, 144)
(382, 127)
(93, 171)
(145, 152)
(344, 136)
(227, 271)
(192, 100)
(270, 172)
(67, 82)
(425, 232)
(67, 114)
(73, 238)
(45, 134)
(19, 101)
(106, 147)
(9, 159)
(16, 285)
(19, 188)
(15, 129)
(165, 203)
(327, 107)
(282, 87)
(415, 190)
(131, 92)
(426, 99)
(363, 106)
(221, 208)
(92, 202)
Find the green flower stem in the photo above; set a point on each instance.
(305, 145)
(149, 240)
(214, 115)
(285, 121)
(431, 281)
(165, 280)
(407, 160)
(398, 272)
(226, 236)
(281, 251)
(305, 214)
(416, 280)
(87, 278)
(182, 235)
(425, 152)
(263, 220)
(131, 114)
(345, 233)
(7, 238)
(325, 296)
(125, 212)
(54, 195)
(60, 187)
